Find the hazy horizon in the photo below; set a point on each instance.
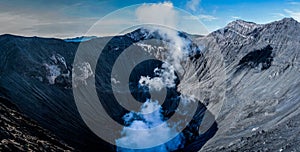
(65, 19)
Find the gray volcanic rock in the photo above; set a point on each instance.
(247, 76)
(19, 133)
(262, 86)
(34, 76)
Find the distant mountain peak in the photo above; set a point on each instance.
(284, 25)
(238, 24)
(288, 19)
(241, 22)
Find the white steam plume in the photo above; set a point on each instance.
(165, 78)
(161, 14)
(193, 4)
(157, 14)
(151, 118)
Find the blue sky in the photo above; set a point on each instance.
(66, 18)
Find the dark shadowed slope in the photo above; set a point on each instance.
(20, 133)
(255, 75)
(36, 76)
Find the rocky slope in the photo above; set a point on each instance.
(19, 133)
(246, 76)
(261, 101)
(35, 75)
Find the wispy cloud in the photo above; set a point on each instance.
(235, 17)
(293, 14)
(206, 17)
(193, 4)
(201, 17)
(43, 25)
(294, 3)
(279, 16)
(55, 19)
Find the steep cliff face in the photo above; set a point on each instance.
(261, 99)
(36, 76)
(246, 76)
(20, 133)
(37, 73)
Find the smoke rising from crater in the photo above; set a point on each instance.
(145, 130)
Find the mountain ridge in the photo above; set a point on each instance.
(232, 23)
(36, 75)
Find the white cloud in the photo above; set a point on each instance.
(43, 25)
(280, 15)
(202, 17)
(11, 22)
(293, 14)
(191, 18)
(207, 17)
(160, 13)
(235, 17)
(193, 4)
(294, 3)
